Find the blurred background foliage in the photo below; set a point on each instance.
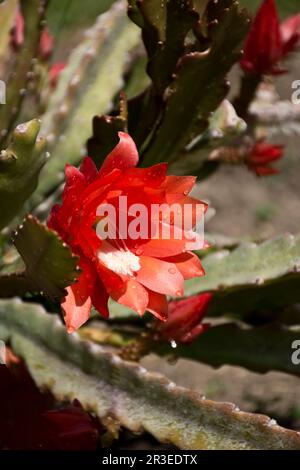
(65, 16)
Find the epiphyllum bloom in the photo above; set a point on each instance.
(268, 41)
(136, 273)
(261, 156)
(184, 323)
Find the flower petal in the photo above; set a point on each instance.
(160, 276)
(180, 184)
(194, 333)
(89, 170)
(133, 295)
(160, 248)
(100, 298)
(158, 305)
(77, 304)
(184, 318)
(123, 156)
(188, 264)
(152, 177)
(193, 209)
(53, 219)
(75, 182)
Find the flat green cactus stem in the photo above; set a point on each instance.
(252, 277)
(260, 349)
(105, 133)
(126, 395)
(199, 83)
(20, 165)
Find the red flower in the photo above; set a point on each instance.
(54, 72)
(260, 157)
(268, 42)
(184, 323)
(136, 273)
(46, 44)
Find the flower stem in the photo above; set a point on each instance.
(248, 88)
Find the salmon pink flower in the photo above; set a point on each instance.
(184, 323)
(261, 156)
(137, 273)
(268, 41)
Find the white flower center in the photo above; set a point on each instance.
(121, 262)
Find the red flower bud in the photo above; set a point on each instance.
(268, 41)
(260, 157)
(184, 323)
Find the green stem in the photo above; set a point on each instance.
(17, 284)
(248, 88)
(260, 349)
